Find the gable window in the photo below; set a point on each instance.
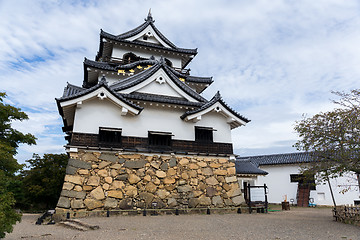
(204, 134)
(110, 137)
(162, 139)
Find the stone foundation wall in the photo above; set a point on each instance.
(111, 180)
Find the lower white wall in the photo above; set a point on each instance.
(278, 181)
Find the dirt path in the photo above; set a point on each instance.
(300, 223)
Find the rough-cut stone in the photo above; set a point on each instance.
(160, 174)
(73, 194)
(147, 197)
(194, 181)
(202, 164)
(126, 204)
(237, 200)
(210, 191)
(184, 175)
(97, 193)
(195, 194)
(231, 171)
(193, 202)
(109, 157)
(87, 188)
(172, 162)
(193, 166)
(106, 186)
(92, 204)
(79, 164)
(77, 203)
(70, 170)
(162, 193)
(89, 157)
(115, 194)
(104, 164)
(117, 185)
(93, 181)
(113, 173)
(103, 173)
(122, 177)
(164, 166)
(211, 181)
(234, 192)
(131, 191)
(63, 202)
(168, 180)
(215, 165)
(151, 187)
(184, 188)
(156, 181)
(78, 188)
(204, 201)
(133, 179)
(147, 178)
(171, 172)
(226, 187)
(110, 203)
(223, 160)
(115, 166)
(74, 179)
(172, 202)
(134, 164)
(207, 171)
(217, 201)
(192, 173)
(108, 180)
(155, 165)
(184, 161)
(228, 202)
(83, 171)
(140, 172)
(230, 179)
(220, 172)
(68, 186)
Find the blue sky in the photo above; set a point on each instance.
(272, 61)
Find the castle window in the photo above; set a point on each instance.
(130, 57)
(110, 137)
(204, 134)
(159, 138)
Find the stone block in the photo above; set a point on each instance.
(193, 202)
(193, 166)
(168, 180)
(172, 162)
(77, 203)
(83, 171)
(70, 170)
(92, 204)
(204, 201)
(109, 157)
(126, 204)
(231, 171)
(151, 187)
(217, 201)
(215, 165)
(210, 191)
(122, 177)
(104, 164)
(117, 185)
(164, 166)
(131, 191)
(230, 179)
(207, 171)
(97, 193)
(73, 194)
(106, 186)
(108, 180)
(116, 166)
(162, 194)
(147, 197)
(87, 188)
(115, 194)
(74, 179)
(79, 164)
(147, 178)
(78, 188)
(110, 203)
(211, 181)
(184, 188)
(184, 161)
(132, 178)
(89, 157)
(103, 173)
(63, 202)
(160, 174)
(238, 200)
(93, 181)
(202, 164)
(223, 160)
(171, 202)
(134, 164)
(68, 186)
(220, 172)
(192, 173)
(184, 175)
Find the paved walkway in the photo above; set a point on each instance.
(299, 223)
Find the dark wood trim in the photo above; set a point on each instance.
(138, 143)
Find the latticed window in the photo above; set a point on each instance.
(159, 138)
(203, 134)
(110, 136)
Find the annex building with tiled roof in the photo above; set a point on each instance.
(139, 131)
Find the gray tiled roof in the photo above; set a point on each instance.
(72, 92)
(216, 98)
(247, 167)
(276, 159)
(192, 78)
(161, 99)
(142, 76)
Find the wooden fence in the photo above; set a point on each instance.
(347, 214)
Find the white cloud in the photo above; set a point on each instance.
(271, 62)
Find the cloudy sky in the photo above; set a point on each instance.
(272, 61)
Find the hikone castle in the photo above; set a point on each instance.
(141, 135)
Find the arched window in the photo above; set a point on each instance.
(168, 62)
(130, 57)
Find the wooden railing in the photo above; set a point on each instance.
(347, 214)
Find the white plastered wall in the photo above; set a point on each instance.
(97, 113)
(278, 181)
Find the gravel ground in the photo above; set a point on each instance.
(299, 223)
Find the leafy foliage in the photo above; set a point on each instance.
(43, 182)
(9, 141)
(333, 137)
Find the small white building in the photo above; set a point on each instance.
(285, 181)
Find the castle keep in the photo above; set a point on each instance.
(140, 134)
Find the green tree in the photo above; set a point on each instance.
(9, 142)
(43, 182)
(333, 138)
